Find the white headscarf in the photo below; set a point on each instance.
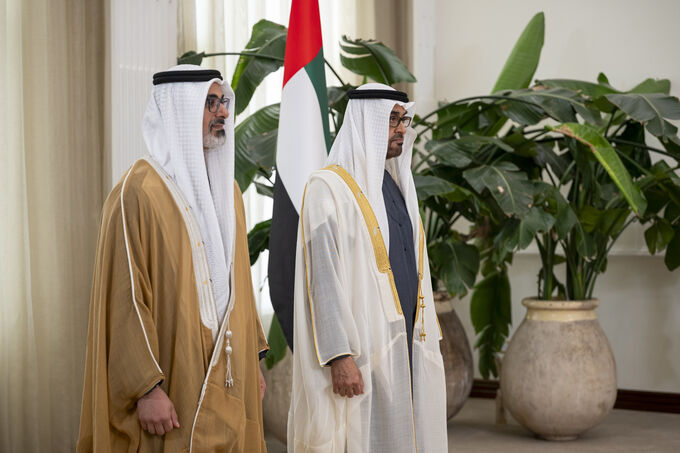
(361, 148)
(173, 132)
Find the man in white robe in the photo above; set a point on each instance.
(368, 374)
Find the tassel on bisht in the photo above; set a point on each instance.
(229, 381)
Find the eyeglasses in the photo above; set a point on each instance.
(213, 103)
(395, 120)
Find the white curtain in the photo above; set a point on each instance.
(51, 93)
(225, 26)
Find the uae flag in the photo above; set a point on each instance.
(302, 148)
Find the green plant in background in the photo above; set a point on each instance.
(564, 163)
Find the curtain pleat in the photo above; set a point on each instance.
(52, 138)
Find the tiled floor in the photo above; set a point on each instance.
(473, 430)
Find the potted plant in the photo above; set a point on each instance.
(565, 165)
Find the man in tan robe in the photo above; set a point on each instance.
(174, 337)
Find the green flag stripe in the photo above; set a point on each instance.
(317, 74)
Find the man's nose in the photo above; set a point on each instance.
(222, 111)
(401, 128)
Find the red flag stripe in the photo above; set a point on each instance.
(304, 36)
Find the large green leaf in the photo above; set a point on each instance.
(653, 86)
(534, 222)
(521, 65)
(560, 103)
(191, 57)
(264, 120)
(521, 113)
(592, 90)
(428, 185)
(606, 155)
(268, 44)
(372, 59)
(491, 317)
(258, 239)
(659, 235)
(277, 344)
(261, 150)
(510, 188)
(672, 258)
(458, 264)
(519, 234)
(458, 152)
(652, 109)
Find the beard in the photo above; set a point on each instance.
(211, 141)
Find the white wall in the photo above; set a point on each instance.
(459, 50)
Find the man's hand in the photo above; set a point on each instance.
(347, 380)
(263, 386)
(157, 413)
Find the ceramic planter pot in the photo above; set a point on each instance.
(276, 400)
(558, 377)
(458, 363)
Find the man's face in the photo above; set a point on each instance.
(396, 137)
(214, 134)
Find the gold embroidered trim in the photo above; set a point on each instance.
(382, 259)
(309, 293)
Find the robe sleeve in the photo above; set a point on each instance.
(334, 330)
(123, 289)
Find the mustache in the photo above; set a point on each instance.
(397, 137)
(216, 121)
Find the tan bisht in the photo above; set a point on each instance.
(150, 297)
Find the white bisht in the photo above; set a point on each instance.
(346, 303)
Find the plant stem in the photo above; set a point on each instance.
(571, 165)
(600, 259)
(638, 145)
(334, 72)
(244, 54)
(611, 119)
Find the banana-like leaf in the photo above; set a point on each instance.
(458, 152)
(519, 234)
(258, 239)
(659, 235)
(653, 86)
(491, 317)
(606, 155)
(428, 185)
(264, 120)
(592, 90)
(268, 43)
(510, 188)
(521, 65)
(560, 103)
(458, 264)
(261, 150)
(372, 59)
(277, 344)
(191, 57)
(672, 258)
(652, 109)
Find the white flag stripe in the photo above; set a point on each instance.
(301, 145)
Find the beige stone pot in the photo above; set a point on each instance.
(276, 400)
(558, 377)
(455, 347)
